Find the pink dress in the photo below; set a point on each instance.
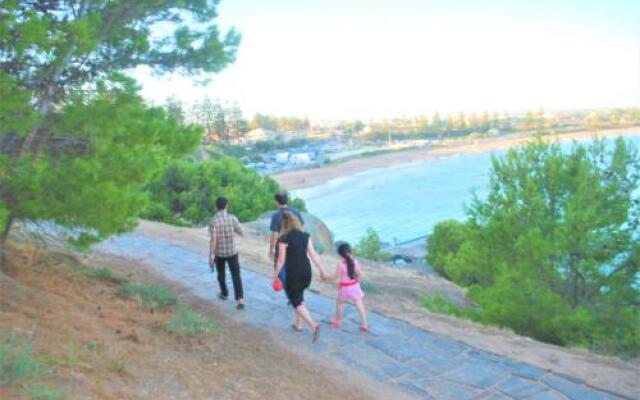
(349, 288)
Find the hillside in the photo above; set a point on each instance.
(90, 343)
(397, 293)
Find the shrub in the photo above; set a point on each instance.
(443, 244)
(553, 251)
(185, 322)
(440, 305)
(370, 246)
(149, 295)
(16, 360)
(104, 274)
(186, 193)
(44, 392)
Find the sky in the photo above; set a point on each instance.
(374, 59)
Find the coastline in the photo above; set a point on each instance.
(299, 179)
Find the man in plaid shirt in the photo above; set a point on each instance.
(223, 250)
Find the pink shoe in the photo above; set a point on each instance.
(364, 329)
(336, 324)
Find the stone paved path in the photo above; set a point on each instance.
(422, 364)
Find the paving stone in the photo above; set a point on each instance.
(475, 374)
(452, 390)
(423, 383)
(410, 388)
(575, 391)
(434, 364)
(446, 347)
(548, 395)
(365, 358)
(522, 369)
(520, 388)
(399, 350)
(493, 395)
(395, 370)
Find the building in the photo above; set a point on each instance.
(260, 134)
(301, 158)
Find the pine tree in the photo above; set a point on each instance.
(553, 250)
(76, 140)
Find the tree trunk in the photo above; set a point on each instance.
(3, 239)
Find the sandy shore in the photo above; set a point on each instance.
(293, 180)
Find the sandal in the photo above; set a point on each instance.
(335, 324)
(295, 328)
(316, 334)
(364, 329)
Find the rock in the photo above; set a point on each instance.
(320, 233)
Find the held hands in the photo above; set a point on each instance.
(323, 275)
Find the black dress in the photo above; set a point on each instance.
(297, 266)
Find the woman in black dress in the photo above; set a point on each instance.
(295, 250)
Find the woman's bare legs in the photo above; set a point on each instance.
(303, 312)
(298, 322)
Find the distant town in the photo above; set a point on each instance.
(271, 144)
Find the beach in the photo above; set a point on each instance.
(298, 179)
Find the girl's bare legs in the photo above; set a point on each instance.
(339, 312)
(363, 314)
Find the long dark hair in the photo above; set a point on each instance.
(345, 252)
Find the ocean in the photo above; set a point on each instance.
(403, 202)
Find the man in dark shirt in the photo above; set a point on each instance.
(282, 201)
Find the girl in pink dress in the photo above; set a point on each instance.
(348, 273)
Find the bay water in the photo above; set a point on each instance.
(404, 202)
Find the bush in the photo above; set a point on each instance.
(104, 274)
(298, 204)
(16, 360)
(443, 244)
(148, 295)
(553, 250)
(438, 304)
(185, 322)
(44, 392)
(186, 193)
(370, 246)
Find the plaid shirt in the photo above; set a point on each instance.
(221, 228)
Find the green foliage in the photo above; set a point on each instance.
(187, 191)
(77, 143)
(281, 124)
(553, 250)
(185, 322)
(44, 392)
(95, 187)
(440, 305)
(16, 360)
(265, 146)
(104, 274)
(298, 204)
(148, 295)
(370, 246)
(443, 243)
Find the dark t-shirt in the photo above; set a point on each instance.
(276, 218)
(297, 265)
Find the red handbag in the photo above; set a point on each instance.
(277, 285)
